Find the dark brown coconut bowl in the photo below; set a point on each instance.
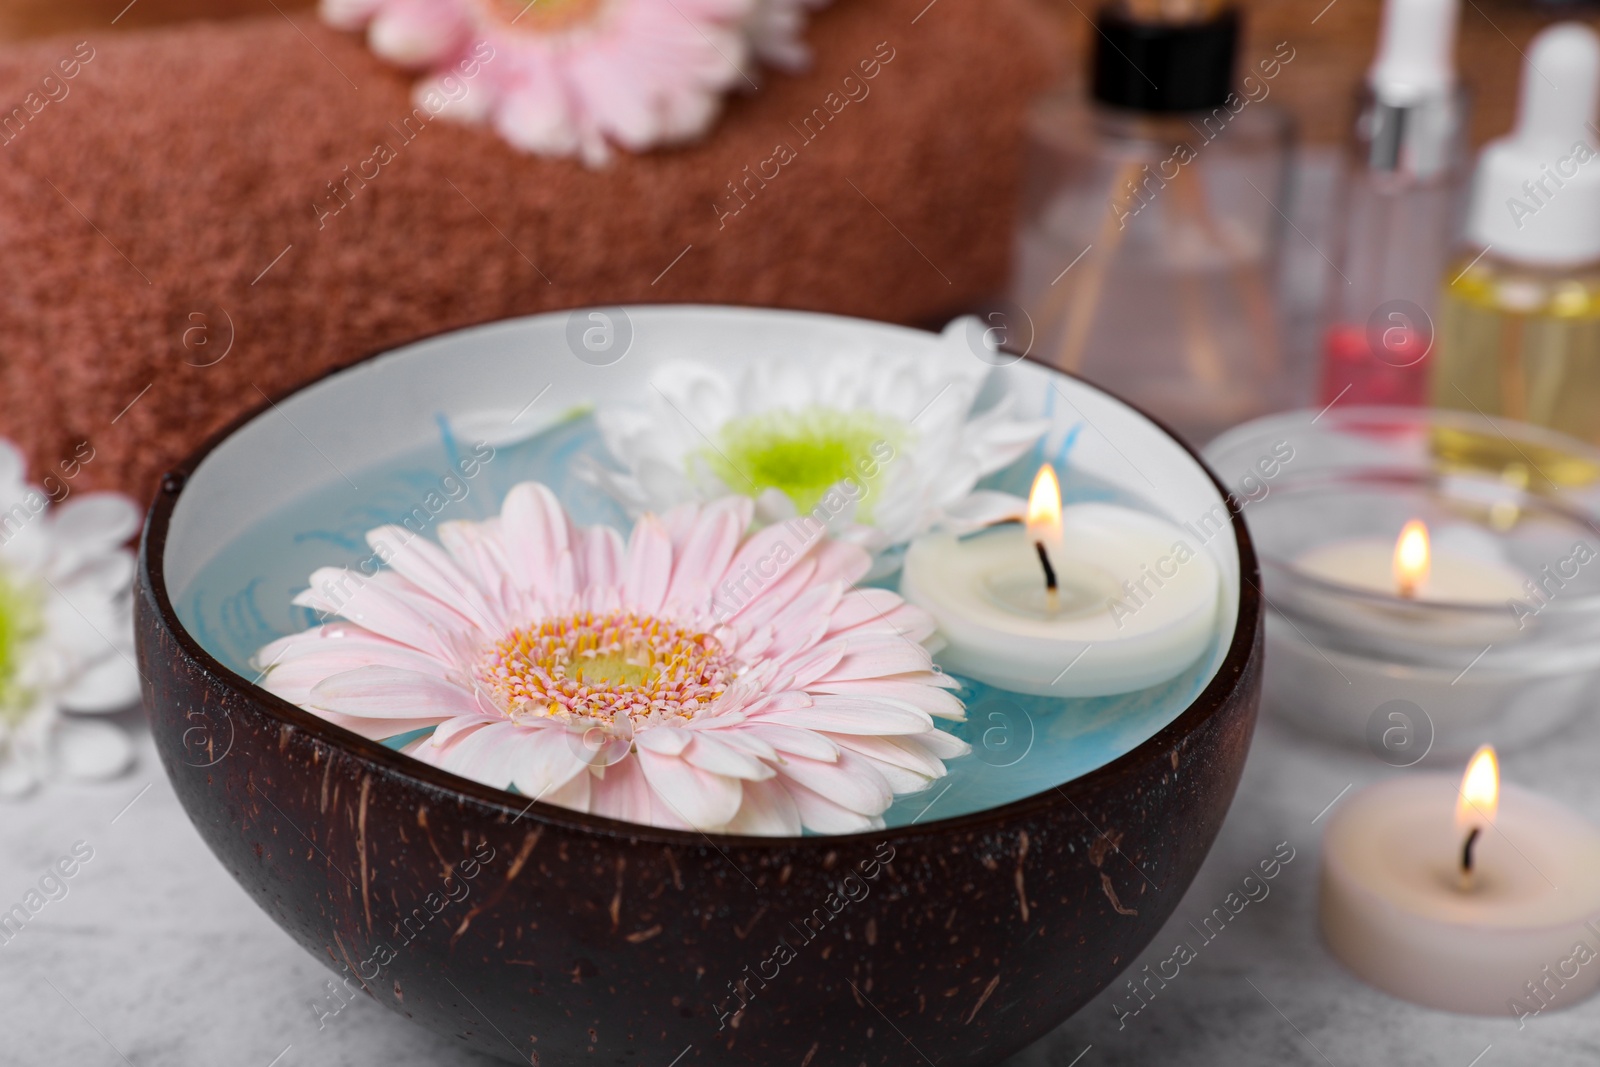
(572, 938)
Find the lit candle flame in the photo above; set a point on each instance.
(1480, 791)
(1478, 804)
(1044, 508)
(1044, 529)
(1412, 558)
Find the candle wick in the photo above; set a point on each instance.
(1044, 561)
(1466, 857)
(1051, 590)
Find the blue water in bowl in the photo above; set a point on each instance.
(1022, 744)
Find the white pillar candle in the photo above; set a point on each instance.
(1522, 936)
(1135, 600)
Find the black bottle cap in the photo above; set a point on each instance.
(1164, 66)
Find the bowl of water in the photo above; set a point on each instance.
(987, 908)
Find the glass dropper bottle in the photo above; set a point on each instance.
(1519, 331)
(1407, 162)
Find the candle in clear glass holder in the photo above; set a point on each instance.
(1498, 639)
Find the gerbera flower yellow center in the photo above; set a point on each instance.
(605, 668)
(804, 453)
(541, 16)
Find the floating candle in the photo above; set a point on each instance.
(1496, 910)
(1085, 600)
(1412, 568)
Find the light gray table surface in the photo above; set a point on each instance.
(157, 958)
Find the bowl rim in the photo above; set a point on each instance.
(152, 578)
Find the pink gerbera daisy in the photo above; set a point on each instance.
(695, 676)
(566, 77)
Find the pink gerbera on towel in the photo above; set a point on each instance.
(692, 677)
(570, 77)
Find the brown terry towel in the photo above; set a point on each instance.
(191, 183)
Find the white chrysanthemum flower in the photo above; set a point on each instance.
(876, 446)
(66, 631)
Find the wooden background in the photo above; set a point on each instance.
(1332, 42)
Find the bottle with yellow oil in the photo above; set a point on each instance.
(1519, 321)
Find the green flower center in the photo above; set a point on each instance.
(805, 453)
(21, 620)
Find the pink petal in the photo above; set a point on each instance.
(622, 794)
(846, 715)
(663, 740)
(537, 116)
(416, 33)
(547, 759)
(535, 530)
(821, 815)
(619, 106)
(574, 794)
(470, 544)
(927, 695)
(482, 754)
(804, 622)
(743, 740)
(858, 611)
(793, 740)
(903, 761)
(374, 729)
(429, 568)
(461, 725)
(761, 553)
(863, 606)
(768, 810)
(852, 782)
(300, 668)
(941, 744)
(387, 606)
(712, 755)
(600, 557)
(703, 800)
(389, 693)
(704, 557)
(649, 565)
(871, 656)
(348, 14)
(841, 562)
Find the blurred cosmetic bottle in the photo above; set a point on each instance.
(1519, 322)
(1148, 243)
(1399, 212)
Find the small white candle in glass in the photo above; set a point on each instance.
(1492, 634)
(1410, 568)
